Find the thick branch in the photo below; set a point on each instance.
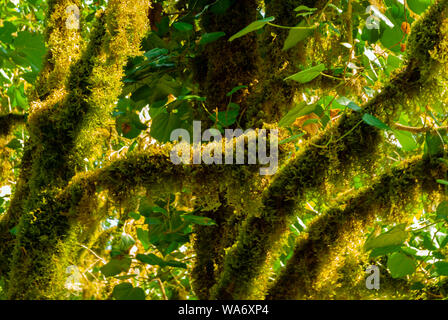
(326, 235)
(312, 166)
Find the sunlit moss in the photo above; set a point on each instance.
(59, 128)
(319, 253)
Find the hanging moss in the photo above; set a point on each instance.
(64, 47)
(318, 253)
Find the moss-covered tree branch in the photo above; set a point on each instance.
(58, 127)
(329, 155)
(320, 250)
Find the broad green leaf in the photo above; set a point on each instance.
(308, 74)
(433, 144)
(6, 32)
(211, 37)
(256, 25)
(32, 46)
(375, 122)
(163, 125)
(391, 37)
(400, 265)
(183, 26)
(406, 140)
(394, 237)
(418, 6)
(116, 266)
(134, 215)
(125, 291)
(227, 118)
(382, 251)
(296, 36)
(156, 52)
(203, 221)
(353, 106)
(14, 144)
(300, 110)
(370, 35)
(129, 125)
(151, 259)
(143, 236)
(442, 210)
(441, 268)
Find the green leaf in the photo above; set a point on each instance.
(442, 210)
(143, 236)
(406, 140)
(231, 92)
(203, 221)
(134, 216)
(32, 46)
(296, 36)
(116, 266)
(300, 110)
(227, 118)
(256, 25)
(370, 35)
(441, 268)
(163, 124)
(151, 259)
(6, 32)
(418, 6)
(441, 181)
(375, 122)
(391, 37)
(382, 251)
(183, 26)
(125, 291)
(14, 144)
(353, 106)
(211, 37)
(433, 144)
(394, 237)
(400, 265)
(304, 8)
(308, 74)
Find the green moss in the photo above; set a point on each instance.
(59, 128)
(318, 254)
(309, 171)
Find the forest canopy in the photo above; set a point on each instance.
(223, 149)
